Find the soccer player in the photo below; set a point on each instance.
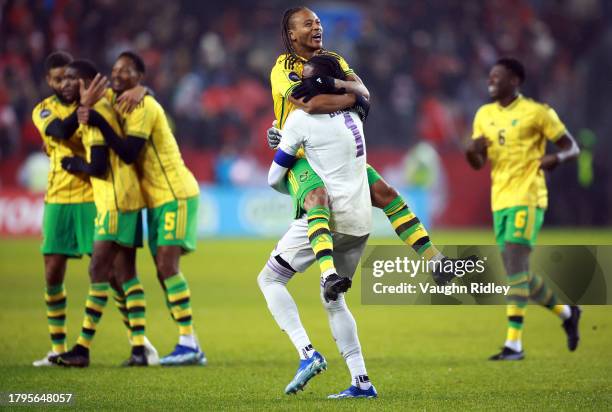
(118, 224)
(302, 36)
(69, 205)
(512, 133)
(171, 194)
(336, 146)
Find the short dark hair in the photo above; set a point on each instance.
(136, 59)
(515, 66)
(85, 68)
(57, 59)
(326, 65)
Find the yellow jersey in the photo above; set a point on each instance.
(285, 76)
(163, 174)
(518, 134)
(62, 187)
(119, 189)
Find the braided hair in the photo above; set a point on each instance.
(292, 56)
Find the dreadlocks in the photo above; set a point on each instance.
(292, 55)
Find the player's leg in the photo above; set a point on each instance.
(55, 300)
(342, 323)
(516, 231)
(528, 222)
(516, 262)
(310, 196)
(59, 243)
(175, 224)
(119, 298)
(125, 263)
(128, 235)
(405, 223)
(293, 253)
(100, 269)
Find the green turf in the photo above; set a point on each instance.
(418, 357)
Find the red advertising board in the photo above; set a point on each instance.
(21, 213)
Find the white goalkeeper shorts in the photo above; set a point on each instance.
(295, 251)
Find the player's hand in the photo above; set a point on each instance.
(129, 99)
(479, 145)
(83, 115)
(95, 91)
(323, 84)
(274, 136)
(305, 90)
(72, 164)
(362, 107)
(549, 162)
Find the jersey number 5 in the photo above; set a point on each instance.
(169, 221)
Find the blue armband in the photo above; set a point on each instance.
(283, 159)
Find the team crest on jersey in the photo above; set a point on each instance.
(293, 76)
(45, 113)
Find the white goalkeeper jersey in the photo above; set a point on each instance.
(335, 148)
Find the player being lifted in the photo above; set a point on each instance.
(512, 133)
(118, 224)
(335, 145)
(302, 36)
(170, 191)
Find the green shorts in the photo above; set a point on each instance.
(174, 224)
(301, 179)
(518, 224)
(68, 229)
(124, 228)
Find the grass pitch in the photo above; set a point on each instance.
(418, 357)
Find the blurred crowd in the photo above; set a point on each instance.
(425, 63)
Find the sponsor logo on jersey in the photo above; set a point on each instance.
(293, 76)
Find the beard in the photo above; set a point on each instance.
(61, 97)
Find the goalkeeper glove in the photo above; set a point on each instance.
(361, 107)
(274, 135)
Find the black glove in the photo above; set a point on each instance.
(305, 90)
(313, 86)
(323, 84)
(361, 107)
(73, 164)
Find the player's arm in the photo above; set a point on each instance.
(131, 98)
(353, 84)
(127, 149)
(554, 130)
(97, 167)
(476, 152)
(278, 170)
(284, 158)
(568, 150)
(325, 103)
(63, 129)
